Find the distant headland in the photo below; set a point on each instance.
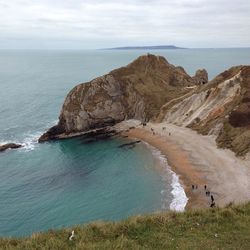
(146, 47)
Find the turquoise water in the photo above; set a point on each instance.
(63, 183)
(67, 182)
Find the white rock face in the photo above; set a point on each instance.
(101, 102)
(200, 106)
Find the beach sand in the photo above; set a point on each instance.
(197, 161)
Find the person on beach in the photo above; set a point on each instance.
(193, 187)
(212, 204)
(205, 187)
(169, 133)
(212, 198)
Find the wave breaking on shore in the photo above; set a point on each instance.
(28, 140)
(180, 199)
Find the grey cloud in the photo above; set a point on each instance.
(188, 23)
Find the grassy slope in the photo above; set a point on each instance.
(227, 228)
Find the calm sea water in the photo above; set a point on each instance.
(58, 184)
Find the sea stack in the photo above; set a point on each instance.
(136, 91)
(201, 76)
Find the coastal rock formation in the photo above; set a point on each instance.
(9, 145)
(136, 91)
(221, 108)
(150, 88)
(201, 76)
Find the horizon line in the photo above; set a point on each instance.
(128, 47)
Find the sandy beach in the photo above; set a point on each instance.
(197, 161)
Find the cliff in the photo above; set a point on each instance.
(220, 108)
(136, 91)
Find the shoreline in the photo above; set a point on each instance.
(180, 198)
(171, 154)
(197, 160)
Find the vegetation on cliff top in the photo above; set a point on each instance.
(226, 228)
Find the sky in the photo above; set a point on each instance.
(91, 24)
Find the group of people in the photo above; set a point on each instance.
(153, 131)
(163, 128)
(208, 193)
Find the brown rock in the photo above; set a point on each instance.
(9, 145)
(201, 76)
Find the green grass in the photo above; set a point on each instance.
(227, 228)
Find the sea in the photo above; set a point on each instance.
(62, 183)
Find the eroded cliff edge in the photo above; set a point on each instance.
(136, 91)
(220, 108)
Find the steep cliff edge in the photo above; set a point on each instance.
(221, 108)
(136, 91)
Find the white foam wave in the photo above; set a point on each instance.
(53, 123)
(3, 142)
(180, 199)
(179, 196)
(31, 141)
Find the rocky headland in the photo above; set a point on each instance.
(137, 91)
(152, 89)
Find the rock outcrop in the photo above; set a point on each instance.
(136, 91)
(201, 76)
(9, 145)
(221, 108)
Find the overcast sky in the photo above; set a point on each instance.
(82, 24)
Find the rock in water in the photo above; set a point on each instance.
(136, 91)
(9, 145)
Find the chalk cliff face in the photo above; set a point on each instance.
(135, 91)
(221, 108)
